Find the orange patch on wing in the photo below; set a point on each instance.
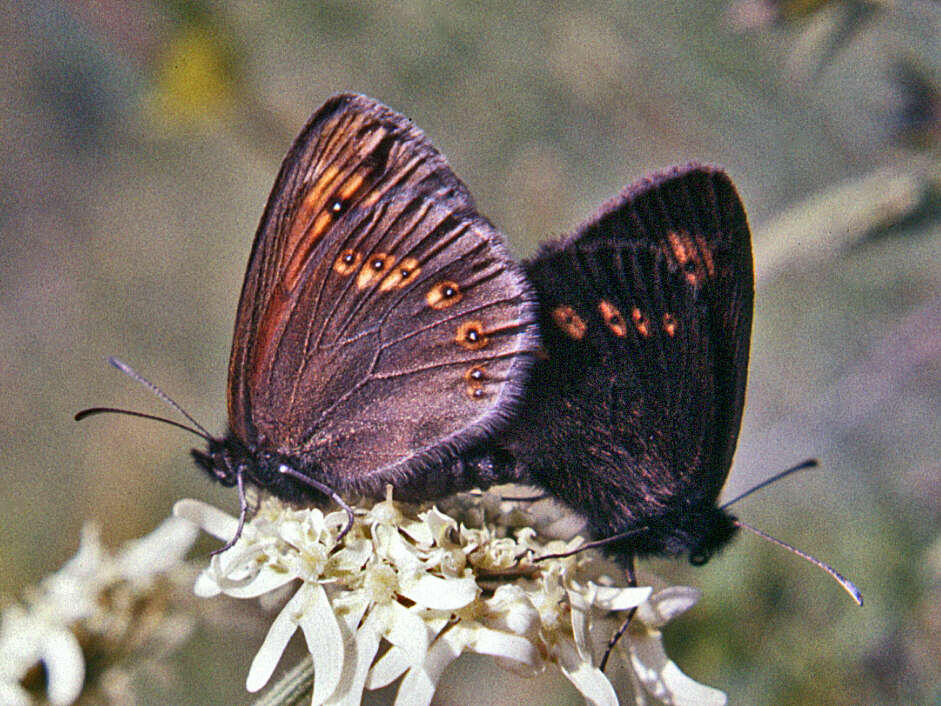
(444, 294)
(693, 254)
(305, 226)
(475, 378)
(376, 266)
(347, 262)
(471, 335)
(641, 323)
(268, 324)
(567, 319)
(351, 185)
(612, 318)
(372, 198)
(669, 324)
(323, 204)
(402, 274)
(680, 245)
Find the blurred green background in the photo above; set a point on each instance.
(138, 145)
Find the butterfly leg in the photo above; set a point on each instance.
(243, 513)
(632, 582)
(326, 490)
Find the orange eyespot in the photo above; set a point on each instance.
(567, 319)
(374, 267)
(475, 378)
(402, 274)
(347, 262)
(471, 335)
(669, 324)
(612, 318)
(444, 294)
(692, 254)
(641, 322)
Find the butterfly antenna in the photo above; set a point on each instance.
(847, 585)
(134, 375)
(809, 463)
(91, 411)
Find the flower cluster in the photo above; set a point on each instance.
(101, 597)
(433, 586)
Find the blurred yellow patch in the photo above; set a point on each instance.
(193, 80)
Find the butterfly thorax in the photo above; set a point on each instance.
(227, 458)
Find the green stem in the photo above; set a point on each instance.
(293, 688)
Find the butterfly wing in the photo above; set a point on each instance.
(381, 324)
(646, 313)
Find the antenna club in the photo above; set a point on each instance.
(847, 585)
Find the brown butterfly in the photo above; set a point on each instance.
(383, 330)
(383, 336)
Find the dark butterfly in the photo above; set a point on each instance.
(384, 336)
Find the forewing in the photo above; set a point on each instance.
(381, 321)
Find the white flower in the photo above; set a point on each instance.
(41, 631)
(433, 586)
(657, 673)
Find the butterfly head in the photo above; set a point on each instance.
(227, 458)
(224, 460)
(716, 529)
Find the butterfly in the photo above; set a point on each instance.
(385, 336)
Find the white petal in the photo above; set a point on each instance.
(402, 554)
(279, 634)
(617, 598)
(65, 666)
(206, 586)
(12, 694)
(238, 573)
(439, 594)
(90, 556)
(395, 662)
(337, 519)
(418, 686)
(267, 579)
(349, 607)
(421, 533)
(406, 630)
(665, 605)
(350, 690)
(437, 523)
(581, 623)
(504, 644)
(388, 668)
(324, 641)
(640, 695)
(208, 518)
(511, 608)
(663, 679)
(589, 680)
(238, 566)
(159, 551)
